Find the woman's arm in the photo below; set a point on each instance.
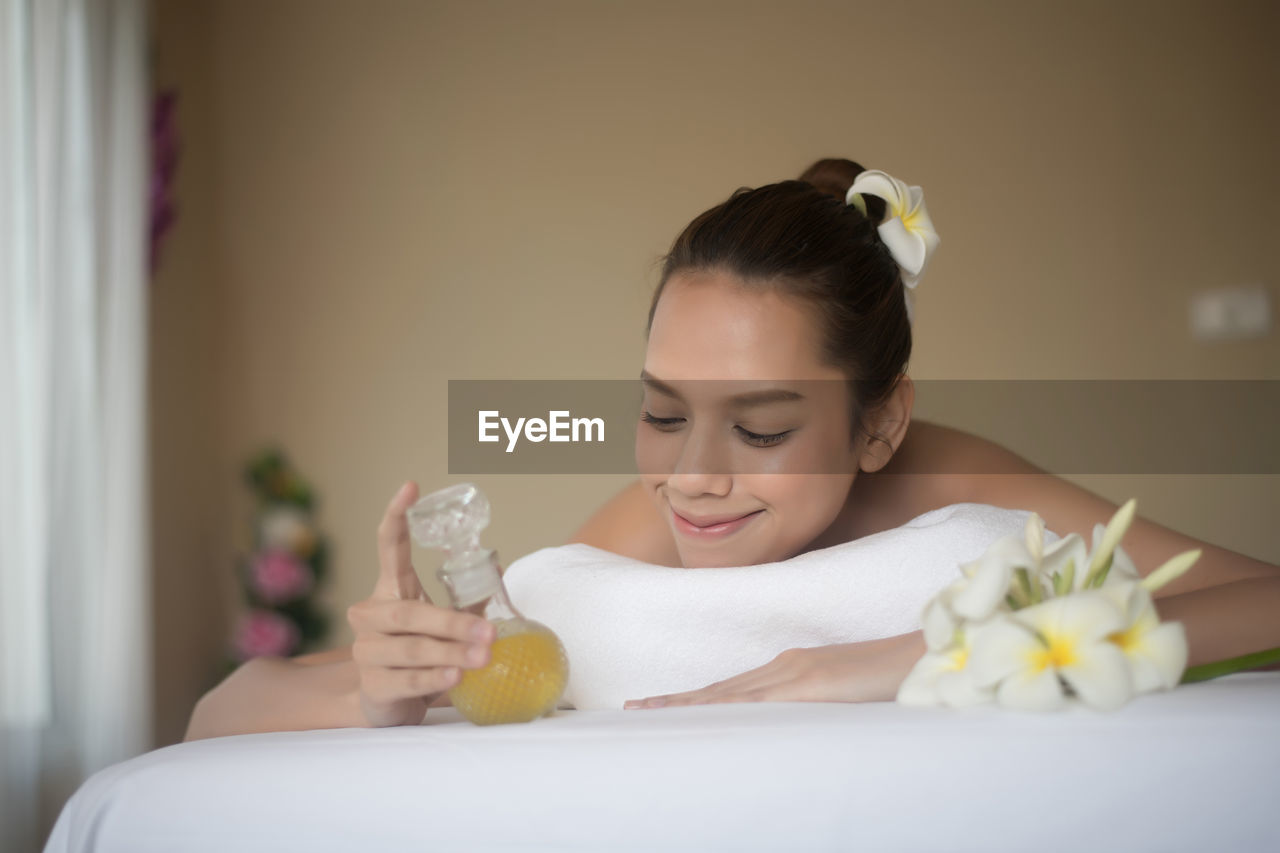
(272, 694)
(1228, 603)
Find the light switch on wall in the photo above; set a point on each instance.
(1230, 313)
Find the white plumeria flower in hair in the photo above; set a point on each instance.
(907, 230)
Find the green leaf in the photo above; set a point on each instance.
(1217, 669)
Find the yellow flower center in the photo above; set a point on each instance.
(1126, 640)
(959, 658)
(1060, 652)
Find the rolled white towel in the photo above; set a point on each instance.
(632, 629)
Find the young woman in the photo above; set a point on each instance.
(783, 287)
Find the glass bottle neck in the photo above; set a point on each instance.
(476, 587)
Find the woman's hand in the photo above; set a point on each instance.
(408, 651)
(849, 672)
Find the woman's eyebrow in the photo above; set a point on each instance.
(744, 400)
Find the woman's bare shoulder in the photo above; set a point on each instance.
(629, 524)
(935, 466)
(942, 451)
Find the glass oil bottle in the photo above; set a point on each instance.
(527, 670)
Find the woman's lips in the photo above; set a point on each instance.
(713, 529)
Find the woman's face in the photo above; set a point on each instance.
(713, 458)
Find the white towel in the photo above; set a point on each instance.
(632, 629)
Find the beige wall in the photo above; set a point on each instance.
(381, 196)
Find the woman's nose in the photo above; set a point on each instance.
(702, 467)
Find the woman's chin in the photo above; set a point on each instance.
(713, 557)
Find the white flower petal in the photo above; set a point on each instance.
(1067, 549)
(1081, 618)
(989, 578)
(938, 622)
(1031, 691)
(1159, 658)
(957, 689)
(908, 248)
(877, 183)
(1099, 675)
(1122, 567)
(919, 688)
(1126, 596)
(918, 221)
(1000, 649)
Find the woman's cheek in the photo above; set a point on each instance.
(656, 454)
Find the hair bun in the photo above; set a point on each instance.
(833, 176)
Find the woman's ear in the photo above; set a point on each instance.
(888, 426)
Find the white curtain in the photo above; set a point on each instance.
(75, 610)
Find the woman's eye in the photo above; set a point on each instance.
(755, 439)
(758, 440)
(659, 422)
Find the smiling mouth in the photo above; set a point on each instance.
(712, 522)
(709, 527)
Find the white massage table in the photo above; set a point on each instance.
(1194, 769)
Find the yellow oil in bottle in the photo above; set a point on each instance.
(524, 679)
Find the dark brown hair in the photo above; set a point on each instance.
(801, 238)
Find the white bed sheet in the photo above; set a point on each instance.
(1197, 768)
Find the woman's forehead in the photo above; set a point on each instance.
(710, 325)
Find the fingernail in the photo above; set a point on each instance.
(655, 703)
(475, 654)
(480, 630)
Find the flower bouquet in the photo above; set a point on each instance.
(1031, 626)
(280, 578)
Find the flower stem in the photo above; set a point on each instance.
(1206, 671)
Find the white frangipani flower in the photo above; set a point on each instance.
(1022, 569)
(988, 578)
(907, 230)
(1028, 655)
(1156, 652)
(1029, 624)
(944, 678)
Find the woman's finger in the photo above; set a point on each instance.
(374, 616)
(396, 577)
(749, 686)
(384, 685)
(416, 651)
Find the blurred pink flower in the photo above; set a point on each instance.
(278, 576)
(265, 632)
